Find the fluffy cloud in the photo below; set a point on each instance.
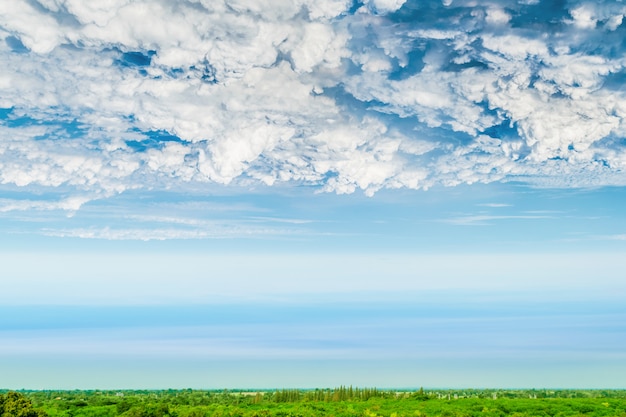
(123, 94)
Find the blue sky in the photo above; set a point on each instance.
(300, 193)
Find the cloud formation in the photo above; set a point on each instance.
(341, 95)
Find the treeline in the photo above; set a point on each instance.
(123, 400)
(338, 402)
(338, 394)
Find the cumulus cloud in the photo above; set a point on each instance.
(120, 95)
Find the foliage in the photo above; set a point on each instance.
(15, 404)
(338, 402)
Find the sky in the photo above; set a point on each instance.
(312, 193)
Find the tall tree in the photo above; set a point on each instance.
(15, 404)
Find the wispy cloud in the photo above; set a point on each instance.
(488, 219)
(618, 237)
(198, 230)
(282, 220)
(472, 329)
(495, 205)
(70, 204)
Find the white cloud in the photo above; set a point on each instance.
(583, 17)
(515, 47)
(497, 16)
(38, 32)
(595, 15)
(384, 6)
(319, 45)
(303, 91)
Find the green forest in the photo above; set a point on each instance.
(337, 402)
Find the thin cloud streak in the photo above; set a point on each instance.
(495, 205)
(142, 278)
(488, 220)
(445, 329)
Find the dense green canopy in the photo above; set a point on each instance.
(15, 404)
(338, 402)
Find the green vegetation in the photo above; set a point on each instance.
(15, 404)
(338, 402)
